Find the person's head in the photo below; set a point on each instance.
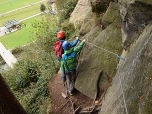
(61, 35)
(66, 45)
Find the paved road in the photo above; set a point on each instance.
(2, 31)
(7, 56)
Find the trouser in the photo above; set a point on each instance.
(71, 78)
(59, 59)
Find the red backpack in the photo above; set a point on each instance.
(58, 49)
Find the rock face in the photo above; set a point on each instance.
(135, 74)
(128, 31)
(111, 13)
(99, 6)
(82, 8)
(135, 71)
(136, 15)
(93, 59)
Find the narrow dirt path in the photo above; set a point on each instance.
(61, 105)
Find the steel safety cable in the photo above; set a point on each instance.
(117, 68)
(103, 49)
(121, 87)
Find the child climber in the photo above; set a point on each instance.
(58, 47)
(58, 44)
(69, 64)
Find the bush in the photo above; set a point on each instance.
(31, 74)
(2, 61)
(29, 78)
(68, 28)
(99, 6)
(67, 8)
(17, 51)
(24, 72)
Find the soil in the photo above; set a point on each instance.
(61, 105)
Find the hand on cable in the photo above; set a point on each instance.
(77, 37)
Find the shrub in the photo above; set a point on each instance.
(42, 8)
(24, 72)
(31, 74)
(17, 51)
(67, 8)
(68, 28)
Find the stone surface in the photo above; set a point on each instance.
(111, 13)
(93, 59)
(135, 15)
(99, 6)
(135, 35)
(135, 75)
(82, 8)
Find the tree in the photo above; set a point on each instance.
(42, 8)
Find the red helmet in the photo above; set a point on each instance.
(61, 34)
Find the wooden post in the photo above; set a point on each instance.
(8, 102)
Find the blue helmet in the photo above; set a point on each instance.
(66, 45)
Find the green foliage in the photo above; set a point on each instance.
(1, 60)
(99, 6)
(24, 36)
(17, 51)
(68, 28)
(30, 77)
(78, 26)
(26, 71)
(42, 8)
(97, 19)
(21, 14)
(36, 65)
(9, 5)
(67, 8)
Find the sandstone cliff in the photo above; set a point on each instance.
(125, 29)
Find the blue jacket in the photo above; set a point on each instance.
(72, 45)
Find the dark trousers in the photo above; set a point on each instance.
(71, 78)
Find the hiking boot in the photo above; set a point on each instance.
(71, 93)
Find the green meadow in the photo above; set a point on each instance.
(9, 5)
(26, 34)
(21, 14)
(21, 37)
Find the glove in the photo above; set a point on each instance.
(64, 77)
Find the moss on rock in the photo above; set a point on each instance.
(99, 6)
(87, 24)
(93, 59)
(111, 13)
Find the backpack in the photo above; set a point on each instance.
(58, 49)
(70, 61)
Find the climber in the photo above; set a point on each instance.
(69, 63)
(58, 44)
(58, 47)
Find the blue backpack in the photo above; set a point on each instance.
(70, 61)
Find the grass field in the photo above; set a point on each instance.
(21, 38)
(9, 5)
(21, 14)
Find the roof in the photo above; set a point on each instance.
(10, 23)
(51, 1)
